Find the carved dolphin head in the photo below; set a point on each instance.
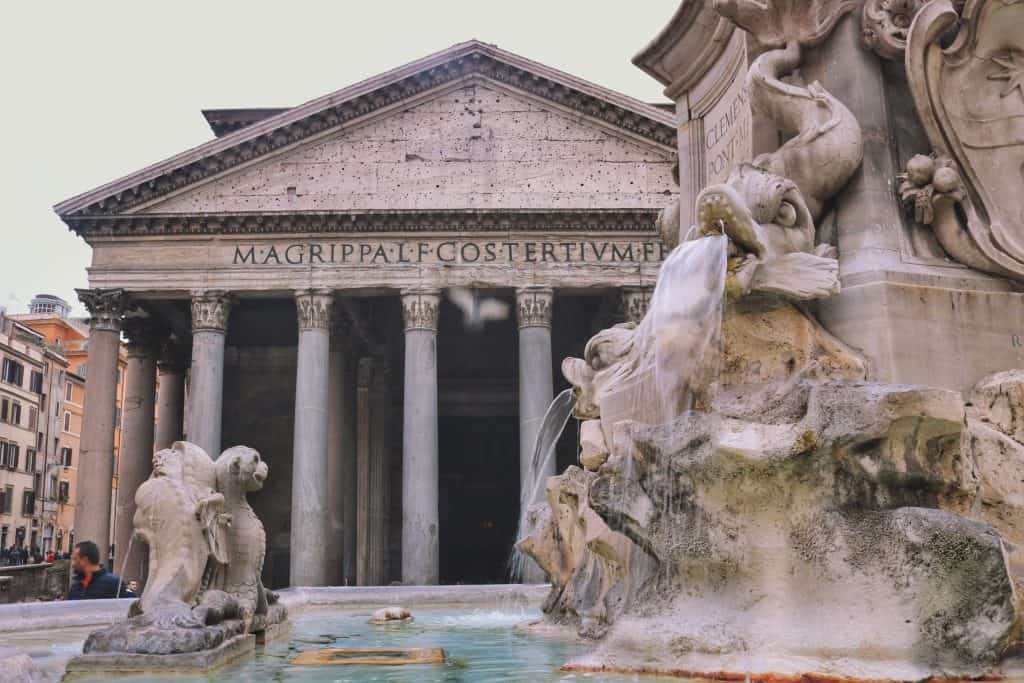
(241, 466)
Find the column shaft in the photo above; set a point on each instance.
(380, 474)
(536, 389)
(341, 462)
(420, 553)
(536, 383)
(96, 464)
(170, 405)
(348, 476)
(366, 492)
(206, 386)
(136, 461)
(310, 527)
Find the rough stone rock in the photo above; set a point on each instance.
(765, 533)
(391, 615)
(593, 449)
(17, 666)
(594, 571)
(998, 400)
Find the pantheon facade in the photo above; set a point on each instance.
(298, 283)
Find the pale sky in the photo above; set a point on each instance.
(95, 90)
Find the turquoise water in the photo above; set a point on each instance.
(482, 645)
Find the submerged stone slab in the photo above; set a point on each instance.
(370, 656)
(123, 664)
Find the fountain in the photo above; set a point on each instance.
(750, 502)
(749, 505)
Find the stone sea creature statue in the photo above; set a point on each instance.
(180, 516)
(767, 210)
(240, 471)
(206, 551)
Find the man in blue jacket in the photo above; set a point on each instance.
(92, 581)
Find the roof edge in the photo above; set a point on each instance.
(355, 101)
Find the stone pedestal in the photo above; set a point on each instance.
(536, 388)
(136, 461)
(310, 526)
(170, 399)
(210, 312)
(906, 306)
(419, 447)
(96, 463)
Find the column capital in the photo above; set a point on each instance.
(314, 308)
(420, 308)
(143, 336)
(533, 306)
(210, 310)
(106, 307)
(635, 302)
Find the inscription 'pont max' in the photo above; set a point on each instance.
(447, 252)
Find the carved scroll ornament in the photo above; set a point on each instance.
(970, 97)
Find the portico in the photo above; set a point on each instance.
(307, 258)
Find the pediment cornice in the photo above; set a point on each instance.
(146, 225)
(362, 100)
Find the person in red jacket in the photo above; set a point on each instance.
(92, 581)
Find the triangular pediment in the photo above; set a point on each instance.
(478, 145)
(557, 129)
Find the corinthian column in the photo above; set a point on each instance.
(170, 400)
(310, 525)
(419, 446)
(136, 459)
(210, 312)
(341, 459)
(536, 388)
(635, 302)
(96, 467)
(370, 534)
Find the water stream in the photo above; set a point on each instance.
(532, 489)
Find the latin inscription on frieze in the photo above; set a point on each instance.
(463, 252)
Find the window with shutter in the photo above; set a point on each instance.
(8, 499)
(15, 413)
(3, 454)
(65, 456)
(14, 455)
(5, 409)
(68, 391)
(33, 418)
(67, 421)
(64, 493)
(37, 382)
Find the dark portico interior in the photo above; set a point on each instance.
(478, 418)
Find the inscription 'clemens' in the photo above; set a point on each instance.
(451, 251)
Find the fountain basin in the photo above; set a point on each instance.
(475, 625)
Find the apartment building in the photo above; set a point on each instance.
(49, 316)
(29, 373)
